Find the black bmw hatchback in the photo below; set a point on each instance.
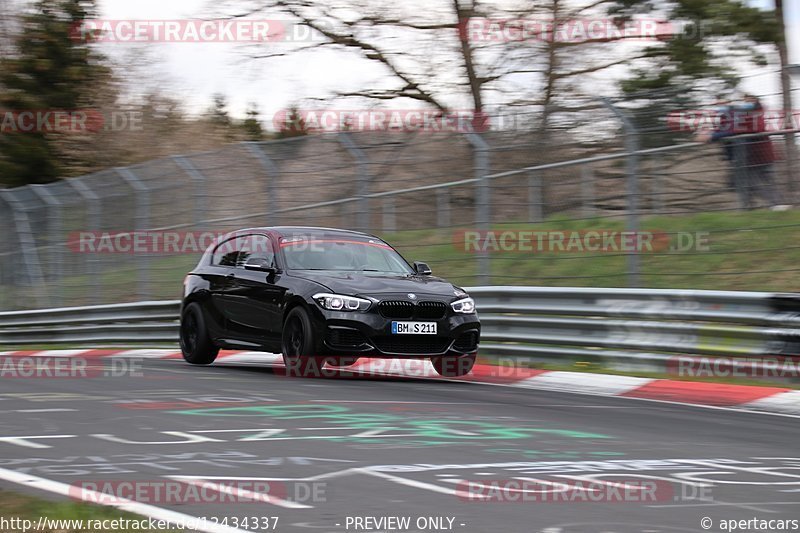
(323, 296)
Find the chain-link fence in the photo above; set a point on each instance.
(523, 205)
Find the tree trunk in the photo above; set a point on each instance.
(786, 88)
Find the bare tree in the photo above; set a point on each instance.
(453, 53)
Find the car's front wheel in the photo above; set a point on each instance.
(298, 343)
(453, 365)
(196, 345)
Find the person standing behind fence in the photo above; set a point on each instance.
(752, 158)
(732, 149)
(760, 154)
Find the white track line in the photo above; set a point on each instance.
(150, 511)
(247, 495)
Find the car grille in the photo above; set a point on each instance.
(401, 309)
(412, 345)
(467, 342)
(431, 310)
(343, 337)
(396, 309)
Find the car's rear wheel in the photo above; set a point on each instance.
(341, 361)
(196, 345)
(298, 343)
(453, 365)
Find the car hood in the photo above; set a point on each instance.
(358, 284)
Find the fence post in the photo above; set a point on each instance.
(273, 174)
(483, 198)
(94, 212)
(364, 179)
(443, 208)
(199, 191)
(587, 190)
(142, 217)
(27, 241)
(389, 220)
(632, 188)
(659, 201)
(535, 200)
(55, 231)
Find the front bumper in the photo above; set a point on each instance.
(370, 334)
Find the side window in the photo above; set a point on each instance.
(227, 253)
(256, 246)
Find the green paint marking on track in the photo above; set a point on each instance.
(429, 431)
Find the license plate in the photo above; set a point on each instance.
(414, 328)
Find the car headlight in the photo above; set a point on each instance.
(337, 302)
(464, 305)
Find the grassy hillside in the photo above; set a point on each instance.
(753, 250)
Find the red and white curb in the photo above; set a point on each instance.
(745, 397)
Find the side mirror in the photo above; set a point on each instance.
(422, 268)
(260, 264)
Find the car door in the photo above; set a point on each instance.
(219, 275)
(253, 298)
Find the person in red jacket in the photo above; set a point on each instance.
(752, 158)
(760, 154)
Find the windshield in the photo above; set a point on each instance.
(343, 255)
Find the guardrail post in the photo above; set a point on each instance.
(483, 199)
(94, 213)
(535, 199)
(27, 241)
(199, 191)
(587, 190)
(142, 217)
(364, 179)
(273, 174)
(389, 220)
(55, 232)
(632, 188)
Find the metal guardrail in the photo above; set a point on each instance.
(637, 328)
(133, 323)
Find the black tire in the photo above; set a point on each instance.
(196, 346)
(451, 366)
(297, 345)
(341, 361)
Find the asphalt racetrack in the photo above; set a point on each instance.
(371, 453)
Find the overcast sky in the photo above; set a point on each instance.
(194, 72)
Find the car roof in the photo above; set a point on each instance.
(287, 231)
